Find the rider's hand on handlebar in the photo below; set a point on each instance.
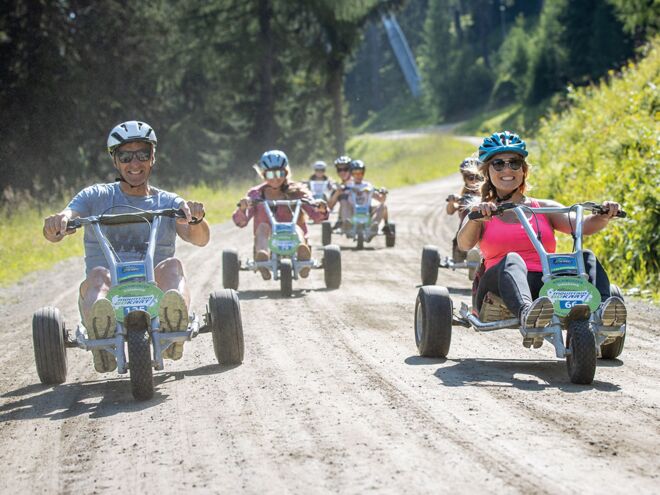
(452, 198)
(486, 209)
(55, 227)
(610, 209)
(194, 212)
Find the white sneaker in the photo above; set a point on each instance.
(102, 325)
(538, 314)
(173, 316)
(613, 312)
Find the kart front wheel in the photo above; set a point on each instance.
(326, 233)
(433, 321)
(360, 240)
(430, 263)
(390, 235)
(581, 360)
(286, 277)
(226, 327)
(613, 349)
(139, 364)
(230, 268)
(48, 341)
(332, 266)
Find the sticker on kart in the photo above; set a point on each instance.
(133, 297)
(566, 292)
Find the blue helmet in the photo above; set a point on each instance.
(272, 160)
(500, 142)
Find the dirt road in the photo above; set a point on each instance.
(332, 397)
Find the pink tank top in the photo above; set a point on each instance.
(500, 238)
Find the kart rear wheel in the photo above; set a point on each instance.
(139, 364)
(326, 233)
(286, 277)
(332, 266)
(48, 335)
(226, 327)
(581, 361)
(433, 321)
(430, 263)
(390, 235)
(613, 349)
(230, 268)
(360, 240)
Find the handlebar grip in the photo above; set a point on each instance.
(475, 215)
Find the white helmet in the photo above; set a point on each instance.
(132, 130)
(319, 165)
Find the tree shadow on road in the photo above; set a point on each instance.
(61, 402)
(250, 295)
(546, 374)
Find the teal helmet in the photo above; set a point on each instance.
(501, 142)
(272, 160)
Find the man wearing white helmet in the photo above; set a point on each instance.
(132, 146)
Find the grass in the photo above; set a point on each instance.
(402, 161)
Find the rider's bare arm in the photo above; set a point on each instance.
(469, 234)
(197, 233)
(335, 197)
(55, 225)
(592, 223)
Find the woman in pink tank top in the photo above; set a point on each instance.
(512, 266)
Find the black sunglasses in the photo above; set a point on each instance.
(142, 155)
(343, 169)
(498, 164)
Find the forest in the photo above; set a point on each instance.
(223, 80)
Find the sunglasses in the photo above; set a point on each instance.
(127, 156)
(499, 164)
(342, 169)
(357, 172)
(275, 174)
(473, 177)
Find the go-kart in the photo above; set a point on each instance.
(432, 259)
(138, 344)
(320, 189)
(574, 299)
(283, 264)
(360, 227)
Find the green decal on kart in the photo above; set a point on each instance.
(566, 292)
(284, 243)
(134, 296)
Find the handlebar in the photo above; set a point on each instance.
(124, 218)
(589, 206)
(381, 190)
(283, 202)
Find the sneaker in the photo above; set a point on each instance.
(538, 314)
(173, 315)
(304, 253)
(102, 325)
(613, 312)
(263, 256)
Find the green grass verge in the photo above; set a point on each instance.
(392, 163)
(401, 161)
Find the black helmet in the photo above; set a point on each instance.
(357, 165)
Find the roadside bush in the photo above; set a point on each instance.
(607, 146)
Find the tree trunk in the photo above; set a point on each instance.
(335, 88)
(265, 126)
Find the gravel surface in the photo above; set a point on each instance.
(332, 396)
